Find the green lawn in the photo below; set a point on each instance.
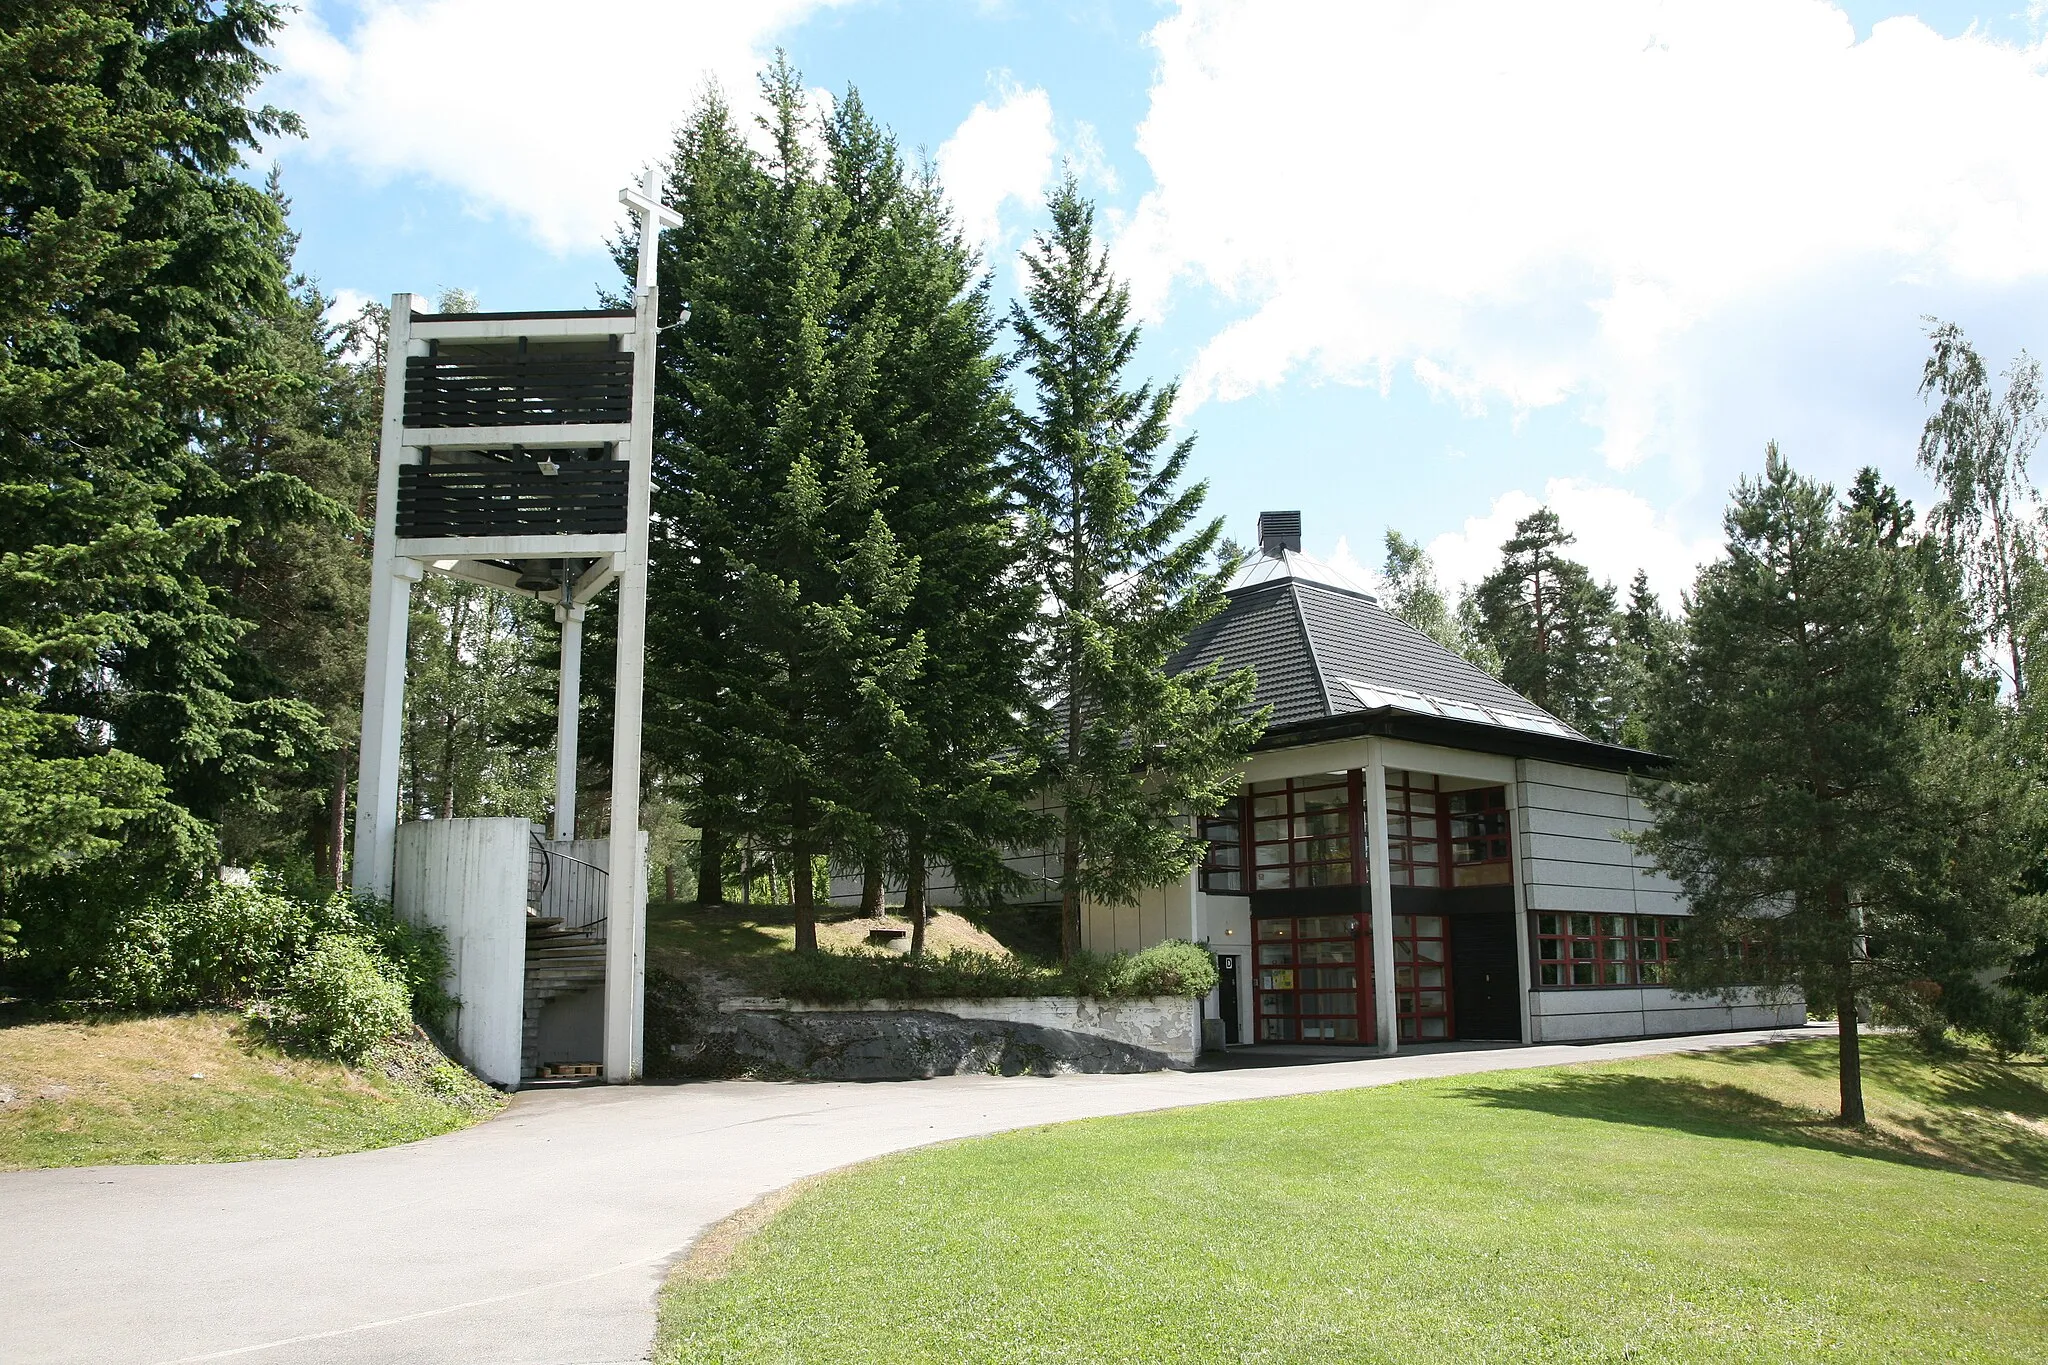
(741, 940)
(1673, 1209)
(200, 1087)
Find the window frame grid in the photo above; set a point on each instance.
(1299, 869)
(1608, 959)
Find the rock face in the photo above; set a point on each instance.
(702, 1027)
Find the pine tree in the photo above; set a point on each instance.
(1551, 625)
(1131, 751)
(1412, 592)
(1830, 830)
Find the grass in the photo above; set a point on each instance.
(962, 959)
(746, 940)
(201, 1087)
(1687, 1208)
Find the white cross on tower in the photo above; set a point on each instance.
(654, 216)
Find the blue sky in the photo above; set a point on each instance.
(1422, 265)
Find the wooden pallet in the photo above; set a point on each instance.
(564, 1070)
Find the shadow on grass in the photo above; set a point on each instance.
(1982, 1123)
(1029, 931)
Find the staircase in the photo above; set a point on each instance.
(558, 962)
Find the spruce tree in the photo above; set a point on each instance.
(714, 380)
(1124, 573)
(821, 586)
(1646, 639)
(1550, 624)
(140, 271)
(937, 428)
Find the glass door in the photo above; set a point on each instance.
(1422, 985)
(1314, 982)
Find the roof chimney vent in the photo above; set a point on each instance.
(1279, 531)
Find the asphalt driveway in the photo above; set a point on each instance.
(541, 1236)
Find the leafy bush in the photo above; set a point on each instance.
(341, 1000)
(1173, 968)
(417, 955)
(222, 945)
(227, 944)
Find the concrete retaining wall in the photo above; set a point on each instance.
(1585, 1014)
(1169, 1025)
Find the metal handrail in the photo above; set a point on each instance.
(576, 892)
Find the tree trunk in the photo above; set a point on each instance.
(871, 885)
(448, 730)
(804, 899)
(800, 852)
(913, 894)
(337, 822)
(711, 868)
(1850, 1054)
(1070, 896)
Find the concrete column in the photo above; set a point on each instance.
(568, 698)
(1518, 842)
(1380, 880)
(625, 926)
(391, 581)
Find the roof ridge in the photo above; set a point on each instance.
(1308, 638)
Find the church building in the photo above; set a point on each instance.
(1396, 774)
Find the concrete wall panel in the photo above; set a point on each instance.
(468, 878)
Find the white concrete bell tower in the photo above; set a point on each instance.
(516, 451)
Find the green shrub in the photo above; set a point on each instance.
(341, 1000)
(416, 954)
(221, 945)
(1172, 968)
(1175, 967)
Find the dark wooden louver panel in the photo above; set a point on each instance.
(537, 390)
(587, 498)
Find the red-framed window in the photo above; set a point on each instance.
(1303, 831)
(1415, 833)
(1310, 831)
(1603, 950)
(1479, 841)
(1223, 862)
(1422, 977)
(1314, 979)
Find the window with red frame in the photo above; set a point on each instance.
(1415, 848)
(1478, 820)
(1604, 950)
(1301, 832)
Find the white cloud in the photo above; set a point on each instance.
(1345, 562)
(1528, 205)
(345, 307)
(1000, 153)
(538, 110)
(1618, 533)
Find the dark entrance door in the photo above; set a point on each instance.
(1226, 998)
(1483, 982)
